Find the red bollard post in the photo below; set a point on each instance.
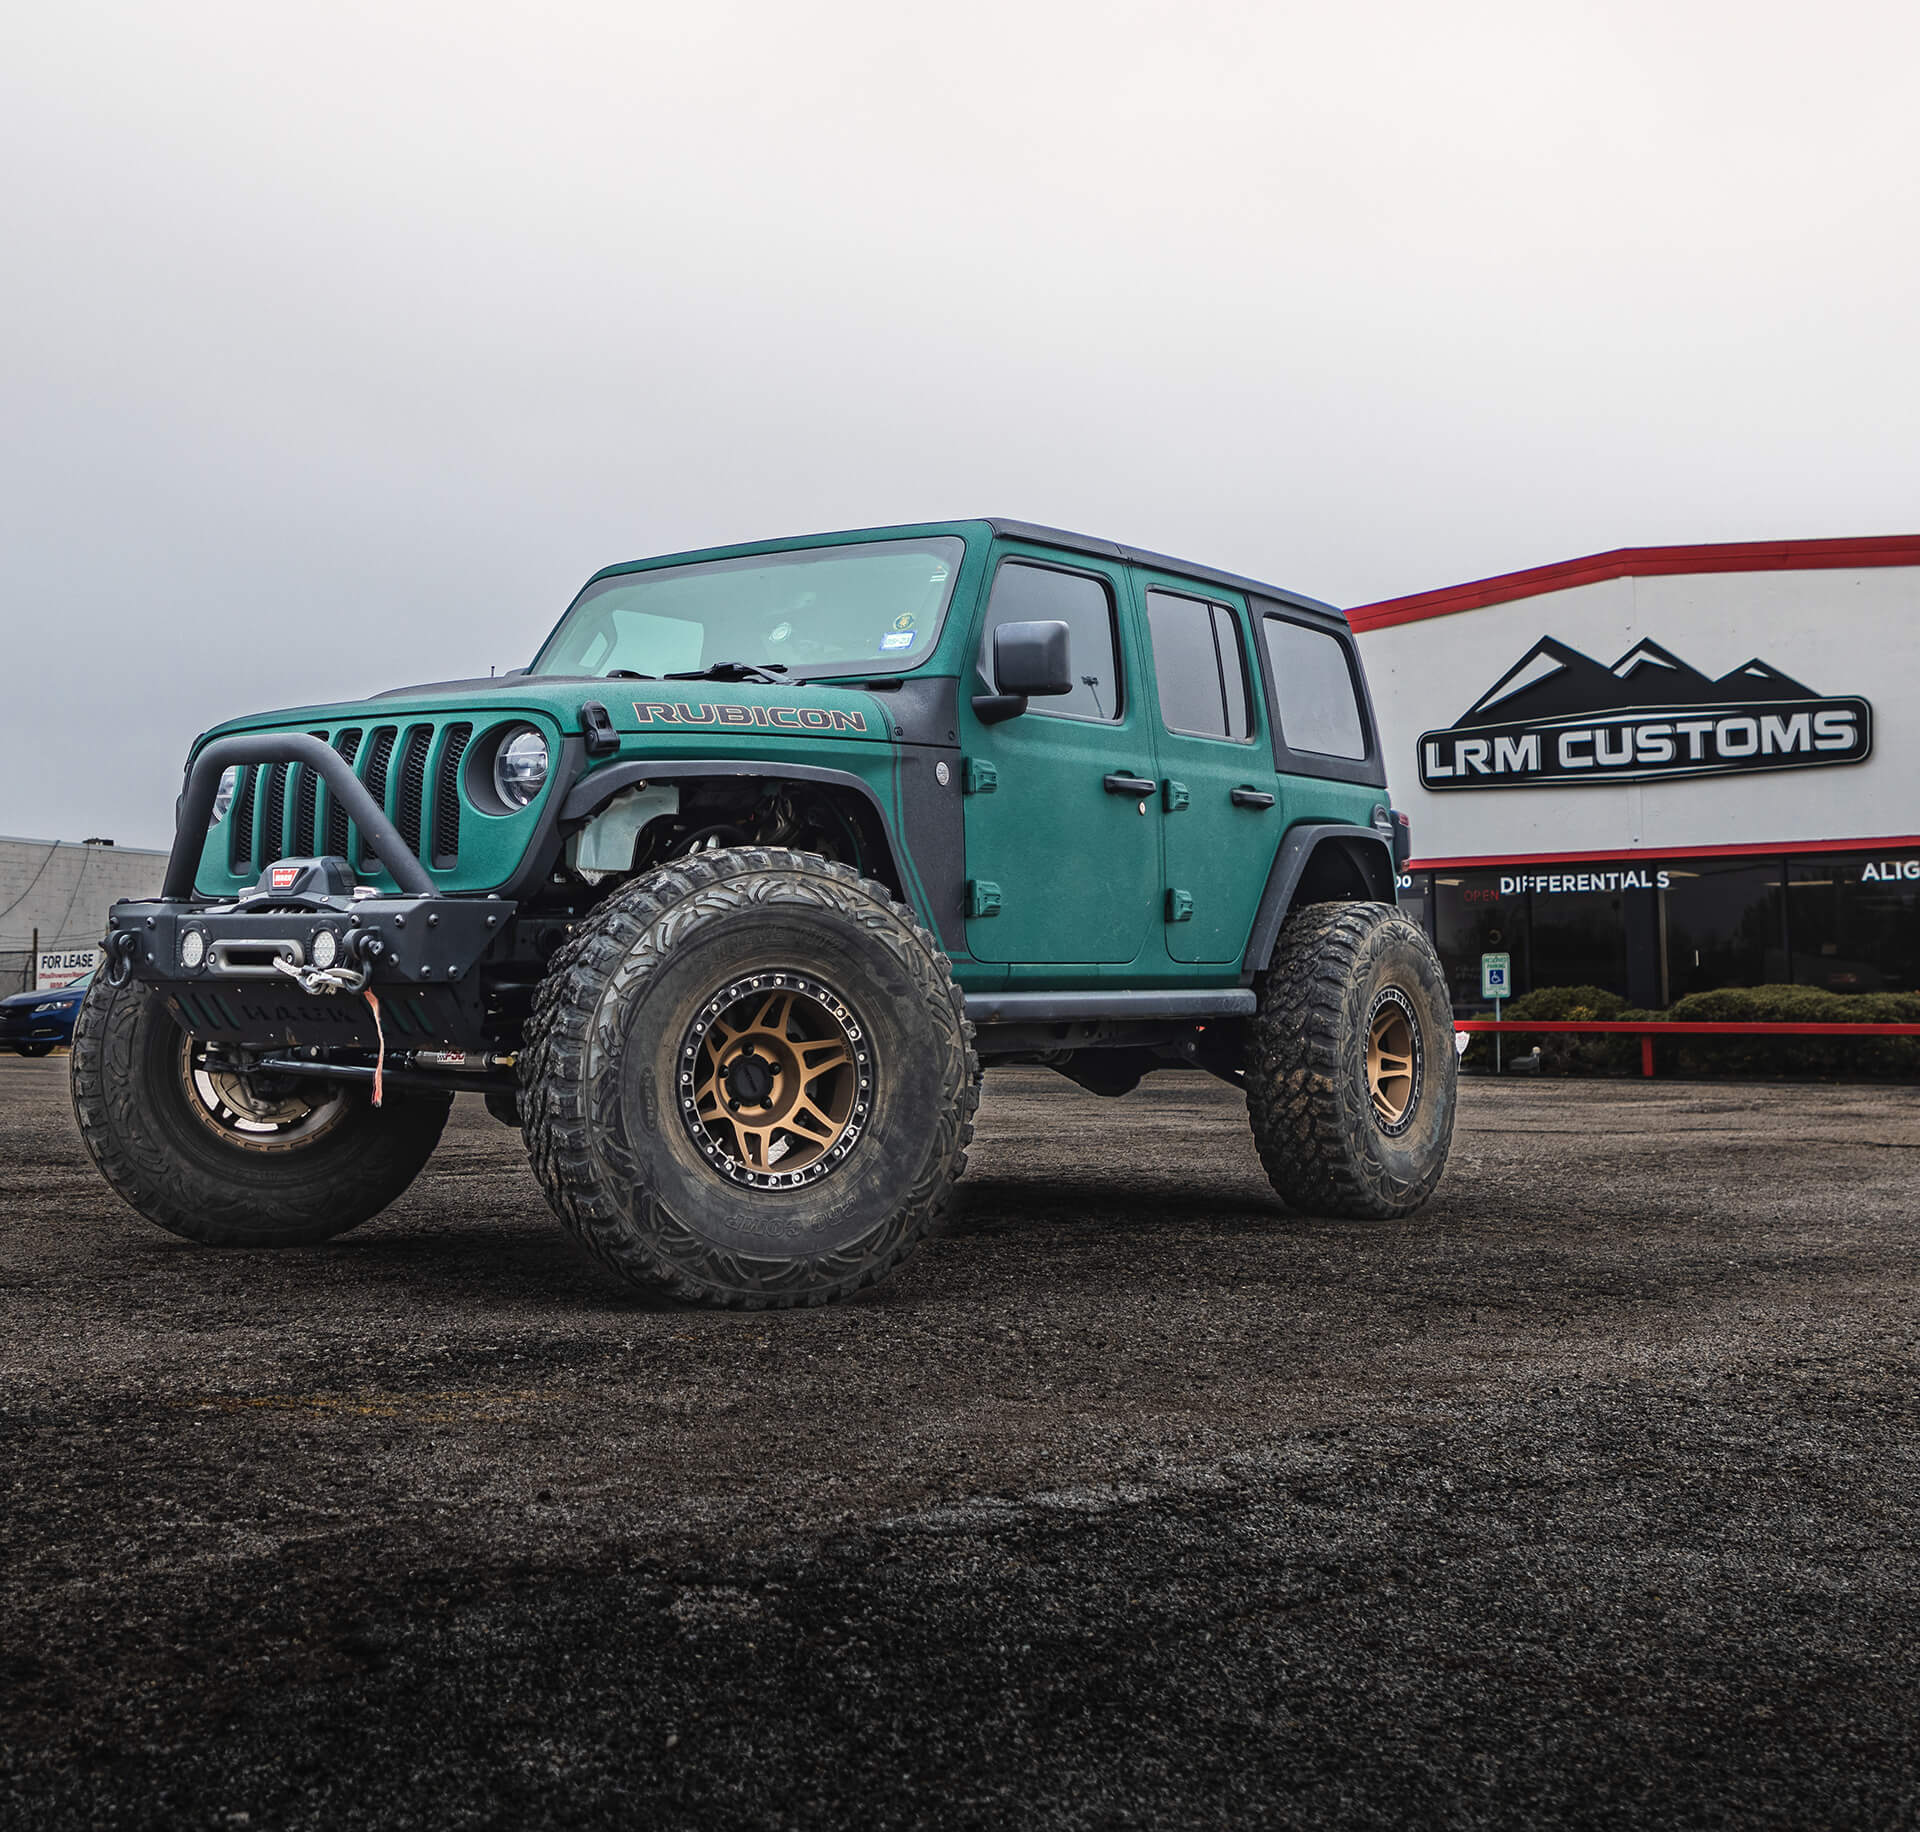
(1646, 1057)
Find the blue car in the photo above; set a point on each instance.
(35, 1022)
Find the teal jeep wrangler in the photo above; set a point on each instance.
(726, 900)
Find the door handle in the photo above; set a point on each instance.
(1121, 784)
(1251, 798)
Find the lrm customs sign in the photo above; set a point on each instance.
(1559, 717)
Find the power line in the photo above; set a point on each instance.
(37, 876)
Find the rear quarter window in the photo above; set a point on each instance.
(1314, 688)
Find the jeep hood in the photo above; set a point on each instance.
(669, 710)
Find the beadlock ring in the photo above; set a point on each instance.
(775, 1070)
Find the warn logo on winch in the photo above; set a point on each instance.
(283, 877)
(1561, 717)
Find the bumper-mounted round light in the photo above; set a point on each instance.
(325, 950)
(193, 949)
(520, 767)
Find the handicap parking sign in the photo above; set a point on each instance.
(1496, 976)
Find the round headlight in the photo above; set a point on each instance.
(224, 794)
(326, 948)
(193, 949)
(520, 768)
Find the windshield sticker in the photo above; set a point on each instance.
(899, 639)
(783, 718)
(780, 632)
(904, 621)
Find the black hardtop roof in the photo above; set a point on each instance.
(1036, 532)
(1041, 535)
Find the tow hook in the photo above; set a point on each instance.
(122, 946)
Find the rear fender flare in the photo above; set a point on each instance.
(1310, 853)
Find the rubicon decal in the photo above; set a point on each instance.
(1561, 717)
(780, 718)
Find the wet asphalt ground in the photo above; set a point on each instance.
(1586, 1497)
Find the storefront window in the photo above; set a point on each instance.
(1723, 926)
(1846, 923)
(1470, 918)
(1854, 923)
(1579, 939)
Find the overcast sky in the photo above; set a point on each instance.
(341, 343)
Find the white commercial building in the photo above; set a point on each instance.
(1664, 769)
(54, 896)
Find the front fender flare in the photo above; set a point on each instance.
(930, 872)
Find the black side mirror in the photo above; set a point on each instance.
(1030, 660)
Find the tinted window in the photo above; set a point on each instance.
(1723, 926)
(1039, 594)
(1319, 710)
(1851, 932)
(1185, 669)
(1470, 918)
(1198, 666)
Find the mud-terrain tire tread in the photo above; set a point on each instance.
(555, 1091)
(1312, 1135)
(132, 1144)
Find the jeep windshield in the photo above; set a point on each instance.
(871, 607)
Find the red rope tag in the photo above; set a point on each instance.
(380, 1059)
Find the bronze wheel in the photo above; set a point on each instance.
(776, 1080)
(1393, 1060)
(255, 1113)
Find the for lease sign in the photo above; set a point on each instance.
(53, 969)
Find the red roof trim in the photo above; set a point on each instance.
(1905, 842)
(1641, 562)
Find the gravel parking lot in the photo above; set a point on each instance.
(1587, 1496)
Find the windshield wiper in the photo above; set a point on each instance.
(772, 672)
(625, 674)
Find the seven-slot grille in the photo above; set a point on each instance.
(412, 769)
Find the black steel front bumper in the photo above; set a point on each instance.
(224, 966)
(420, 957)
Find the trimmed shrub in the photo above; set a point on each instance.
(1840, 1058)
(1847, 1058)
(1564, 1052)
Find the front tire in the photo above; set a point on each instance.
(1351, 1071)
(748, 1081)
(227, 1160)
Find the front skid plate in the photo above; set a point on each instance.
(259, 1016)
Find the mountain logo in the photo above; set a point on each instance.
(1560, 718)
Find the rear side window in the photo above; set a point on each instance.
(1043, 594)
(1313, 683)
(1198, 667)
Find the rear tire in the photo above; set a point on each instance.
(748, 1081)
(1351, 1070)
(230, 1161)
